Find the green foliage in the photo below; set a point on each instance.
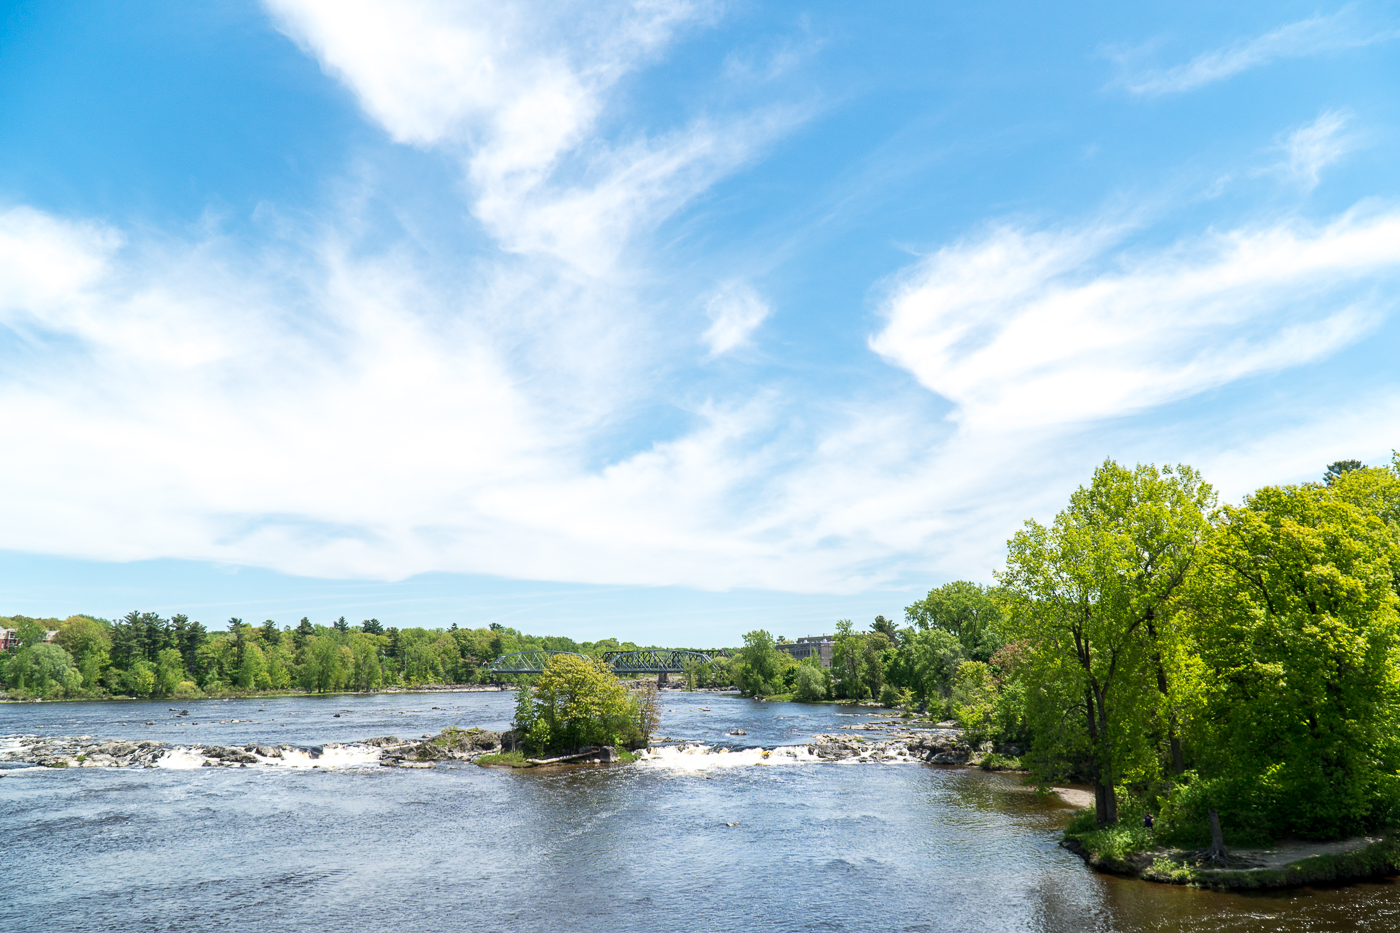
(43, 669)
(810, 683)
(1295, 616)
(967, 611)
(758, 669)
(577, 702)
(1090, 599)
(975, 695)
(858, 662)
(925, 663)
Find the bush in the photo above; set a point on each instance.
(577, 702)
(810, 684)
(889, 696)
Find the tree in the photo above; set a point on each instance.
(966, 610)
(44, 669)
(576, 702)
(810, 683)
(373, 627)
(887, 628)
(975, 695)
(1337, 469)
(848, 663)
(925, 663)
(170, 671)
(302, 632)
(758, 669)
(88, 642)
(188, 637)
(367, 673)
(29, 632)
(1298, 624)
(269, 635)
(1090, 601)
(340, 625)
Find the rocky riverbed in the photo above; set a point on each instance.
(386, 751)
(899, 740)
(877, 741)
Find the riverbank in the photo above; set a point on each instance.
(1128, 852)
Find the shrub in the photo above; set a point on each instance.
(577, 702)
(810, 684)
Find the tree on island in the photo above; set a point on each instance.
(576, 703)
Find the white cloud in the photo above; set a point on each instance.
(735, 312)
(328, 416)
(519, 93)
(1309, 149)
(1312, 36)
(1021, 328)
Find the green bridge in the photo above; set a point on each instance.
(658, 661)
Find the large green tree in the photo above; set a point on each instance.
(1294, 610)
(1089, 598)
(966, 610)
(758, 669)
(577, 702)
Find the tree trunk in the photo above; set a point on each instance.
(1108, 815)
(1217, 851)
(1178, 760)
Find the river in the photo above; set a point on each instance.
(818, 846)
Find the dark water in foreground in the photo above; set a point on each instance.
(819, 846)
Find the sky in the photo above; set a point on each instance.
(670, 319)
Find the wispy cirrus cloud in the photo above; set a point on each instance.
(519, 93)
(735, 311)
(1313, 36)
(1311, 148)
(1021, 328)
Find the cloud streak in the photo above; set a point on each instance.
(518, 94)
(735, 312)
(1316, 35)
(1311, 148)
(1016, 329)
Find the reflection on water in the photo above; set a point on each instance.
(814, 845)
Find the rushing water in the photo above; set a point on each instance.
(646, 847)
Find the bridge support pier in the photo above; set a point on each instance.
(661, 679)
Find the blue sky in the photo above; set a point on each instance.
(669, 319)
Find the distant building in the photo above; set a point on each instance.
(813, 645)
(9, 638)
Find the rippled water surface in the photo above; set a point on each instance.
(818, 846)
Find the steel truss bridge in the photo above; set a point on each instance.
(658, 661)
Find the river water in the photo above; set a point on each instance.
(818, 846)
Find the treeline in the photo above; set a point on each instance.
(1180, 656)
(146, 655)
(943, 660)
(1186, 658)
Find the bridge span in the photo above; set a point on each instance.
(658, 661)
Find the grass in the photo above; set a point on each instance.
(519, 759)
(1375, 860)
(1114, 849)
(514, 759)
(995, 762)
